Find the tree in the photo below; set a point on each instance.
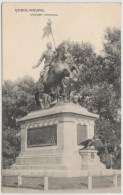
(111, 61)
(17, 100)
(109, 80)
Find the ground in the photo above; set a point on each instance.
(28, 190)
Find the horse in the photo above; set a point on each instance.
(58, 70)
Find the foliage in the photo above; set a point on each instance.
(17, 99)
(109, 126)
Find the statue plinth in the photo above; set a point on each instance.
(50, 139)
(90, 160)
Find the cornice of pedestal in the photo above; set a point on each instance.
(66, 108)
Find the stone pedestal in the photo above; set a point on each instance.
(90, 160)
(50, 139)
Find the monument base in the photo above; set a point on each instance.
(50, 141)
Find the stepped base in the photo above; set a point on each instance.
(41, 158)
(38, 167)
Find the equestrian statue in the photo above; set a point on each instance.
(57, 66)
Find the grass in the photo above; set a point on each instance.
(60, 183)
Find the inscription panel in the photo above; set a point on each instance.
(81, 133)
(42, 136)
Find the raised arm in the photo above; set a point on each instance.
(39, 61)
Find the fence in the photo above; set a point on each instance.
(89, 175)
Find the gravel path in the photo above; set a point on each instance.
(27, 190)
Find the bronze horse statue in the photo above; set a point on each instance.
(59, 69)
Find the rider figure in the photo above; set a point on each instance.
(48, 56)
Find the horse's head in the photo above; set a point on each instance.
(60, 54)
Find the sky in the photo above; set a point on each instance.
(22, 43)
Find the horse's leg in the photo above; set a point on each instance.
(63, 88)
(53, 93)
(37, 98)
(49, 100)
(56, 93)
(60, 92)
(63, 92)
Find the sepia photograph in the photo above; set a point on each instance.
(61, 97)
